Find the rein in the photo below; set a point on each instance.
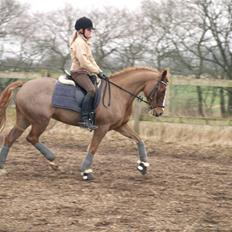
(140, 99)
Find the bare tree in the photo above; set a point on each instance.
(51, 39)
(10, 12)
(196, 37)
(111, 27)
(158, 26)
(132, 46)
(188, 40)
(218, 18)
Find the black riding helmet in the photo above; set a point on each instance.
(84, 23)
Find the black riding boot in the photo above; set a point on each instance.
(86, 110)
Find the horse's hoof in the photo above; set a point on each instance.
(3, 172)
(87, 176)
(54, 166)
(142, 167)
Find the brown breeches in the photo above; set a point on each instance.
(83, 80)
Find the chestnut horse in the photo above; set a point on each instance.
(33, 107)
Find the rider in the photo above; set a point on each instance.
(83, 65)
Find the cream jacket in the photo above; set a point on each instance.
(81, 55)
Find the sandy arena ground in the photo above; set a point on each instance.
(188, 187)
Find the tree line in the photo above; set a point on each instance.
(189, 37)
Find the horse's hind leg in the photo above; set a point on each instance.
(33, 137)
(15, 133)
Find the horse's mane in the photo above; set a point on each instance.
(130, 69)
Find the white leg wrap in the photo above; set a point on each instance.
(142, 151)
(146, 164)
(86, 164)
(87, 171)
(85, 174)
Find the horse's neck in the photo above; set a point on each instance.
(134, 81)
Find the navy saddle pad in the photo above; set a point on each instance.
(70, 97)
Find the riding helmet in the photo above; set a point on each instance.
(84, 23)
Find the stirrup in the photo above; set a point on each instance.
(87, 124)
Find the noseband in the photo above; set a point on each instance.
(153, 94)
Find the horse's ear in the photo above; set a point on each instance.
(164, 75)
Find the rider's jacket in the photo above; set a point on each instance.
(81, 55)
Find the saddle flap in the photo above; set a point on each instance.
(69, 96)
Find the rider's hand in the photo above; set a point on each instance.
(102, 76)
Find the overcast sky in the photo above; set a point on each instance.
(47, 5)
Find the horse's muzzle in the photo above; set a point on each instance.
(158, 111)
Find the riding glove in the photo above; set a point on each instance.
(102, 76)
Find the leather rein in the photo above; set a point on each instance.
(150, 97)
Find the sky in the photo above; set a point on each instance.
(87, 5)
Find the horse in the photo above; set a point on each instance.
(33, 108)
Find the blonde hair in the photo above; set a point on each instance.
(73, 37)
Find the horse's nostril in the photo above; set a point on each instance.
(158, 114)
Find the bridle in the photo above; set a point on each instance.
(153, 94)
(150, 98)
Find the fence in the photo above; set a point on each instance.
(182, 92)
(182, 102)
(181, 98)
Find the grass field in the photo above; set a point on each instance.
(169, 132)
(185, 101)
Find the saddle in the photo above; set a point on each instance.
(67, 79)
(68, 95)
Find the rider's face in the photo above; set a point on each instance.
(88, 33)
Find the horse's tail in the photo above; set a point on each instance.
(5, 98)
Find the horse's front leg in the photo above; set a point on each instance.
(142, 162)
(85, 168)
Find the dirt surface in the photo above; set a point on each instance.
(188, 188)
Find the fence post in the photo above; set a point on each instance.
(169, 97)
